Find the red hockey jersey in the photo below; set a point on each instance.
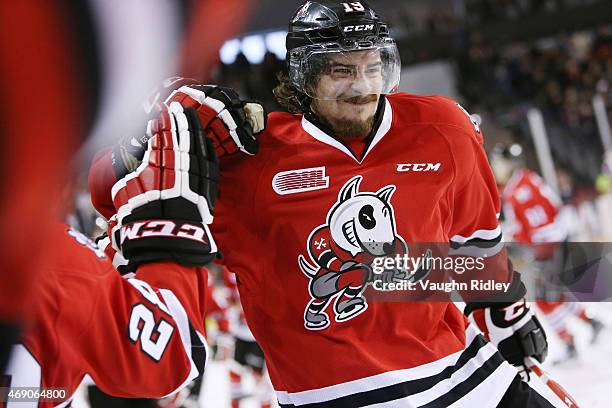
(135, 337)
(530, 209)
(293, 220)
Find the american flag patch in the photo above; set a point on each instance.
(298, 181)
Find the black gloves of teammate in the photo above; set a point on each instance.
(165, 206)
(511, 326)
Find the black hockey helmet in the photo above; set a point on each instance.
(324, 29)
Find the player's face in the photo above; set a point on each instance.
(348, 92)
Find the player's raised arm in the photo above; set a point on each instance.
(144, 336)
(164, 209)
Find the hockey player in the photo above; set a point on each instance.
(139, 337)
(531, 210)
(351, 175)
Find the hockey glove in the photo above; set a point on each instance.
(230, 122)
(114, 253)
(165, 206)
(513, 328)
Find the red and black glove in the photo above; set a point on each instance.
(164, 207)
(229, 122)
(511, 326)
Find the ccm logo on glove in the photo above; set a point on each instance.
(162, 228)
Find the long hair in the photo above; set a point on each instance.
(288, 96)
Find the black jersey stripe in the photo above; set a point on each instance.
(465, 387)
(198, 350)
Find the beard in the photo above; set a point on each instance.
(353, 129)
(347, 128)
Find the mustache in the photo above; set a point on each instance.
(362, 99)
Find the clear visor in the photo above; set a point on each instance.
(338, 74)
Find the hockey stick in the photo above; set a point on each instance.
(534, 366)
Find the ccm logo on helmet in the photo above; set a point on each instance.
(418, 167)
(362, 27)
(162, 228)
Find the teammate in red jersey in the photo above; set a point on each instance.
(370, 170)
(531, 210)
(138, 337)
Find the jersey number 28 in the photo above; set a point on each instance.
(154, 335)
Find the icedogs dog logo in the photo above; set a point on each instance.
(360, 227)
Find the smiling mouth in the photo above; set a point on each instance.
(361, 100)
(360, 103)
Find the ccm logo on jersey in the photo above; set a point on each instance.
(162, 228)
(418, 167)
(356, 28)
(299, 181)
